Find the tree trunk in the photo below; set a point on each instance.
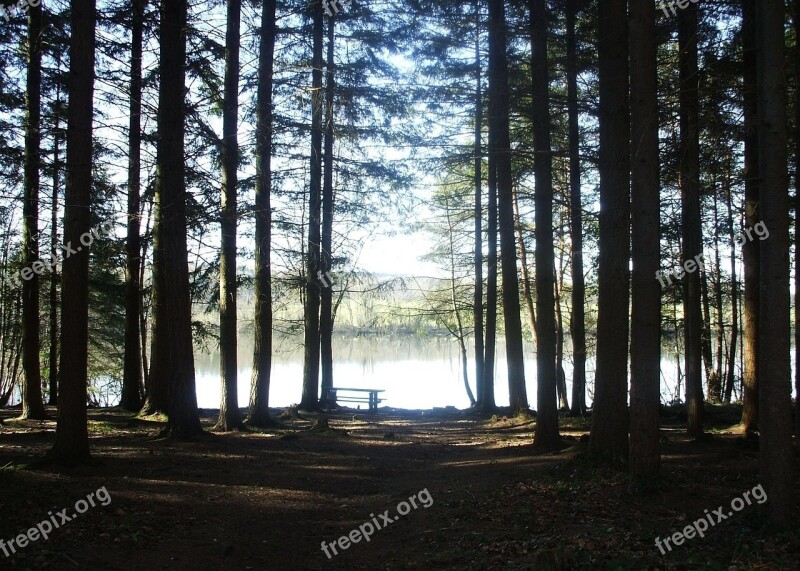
(707, 349)
(32, 404)
(172, 358)
(796, 23)
(527, 294)
(132, 369)
(143, 313)
(734, 303)
(577, 320)
(262, 353)
(561, 378)
(313, 274)
(499, 109)
(752, 197)
(156, 399)
(456, 313)
(72, 438)
(677, 349)
(546, 435)
(690, 207)
(645, 455)
(478, 178)
(487, 399)
(54, 275)
(609, 435)
(775, 425)
(326, 313)
(715, 387)
(229, 417)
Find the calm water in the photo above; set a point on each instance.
(415, 373)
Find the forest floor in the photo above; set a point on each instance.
(267, 500)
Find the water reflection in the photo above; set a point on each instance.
(416, 372)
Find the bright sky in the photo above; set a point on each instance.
(398, 255)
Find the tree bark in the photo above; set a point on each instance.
(32, 404)
(499, 109)
(487, 399)
(54, 275)
(752, 197)
(734, 303)
(172, 357)
(132, 368)
(561, 378)
(72, 438)
(143, 329)
(715, 385)
(527, 294)
(311, 358)
(796, 23)
(645, 455)
(478, 178)
(326, 313)
(775, 425)
(229, 417)
(546, 435)
(609, 435)
(707, 349)
(577, 320)
(262, 353)
(690, 207)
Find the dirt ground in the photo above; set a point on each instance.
(267, 500)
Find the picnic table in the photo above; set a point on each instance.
(371, 399)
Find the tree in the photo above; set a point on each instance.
(729, 375)
(478, 178)
(487, 399)
(229, 417)
(774, 390)
(577, 321)
(54, 305)
(262, 353)
(311, 359)
(692, 237)
(645, 457)
(131, 398)
(326, 296)
(796, 22)
(32, 404)
(72, 437)
(499, 111)
(458, 330)
(172, 358)
(750, 249)
(547, 410)
(609, 434)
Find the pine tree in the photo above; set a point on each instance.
(72, 438)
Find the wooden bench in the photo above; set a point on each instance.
(371, 398)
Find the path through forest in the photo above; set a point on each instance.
(268, 500)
